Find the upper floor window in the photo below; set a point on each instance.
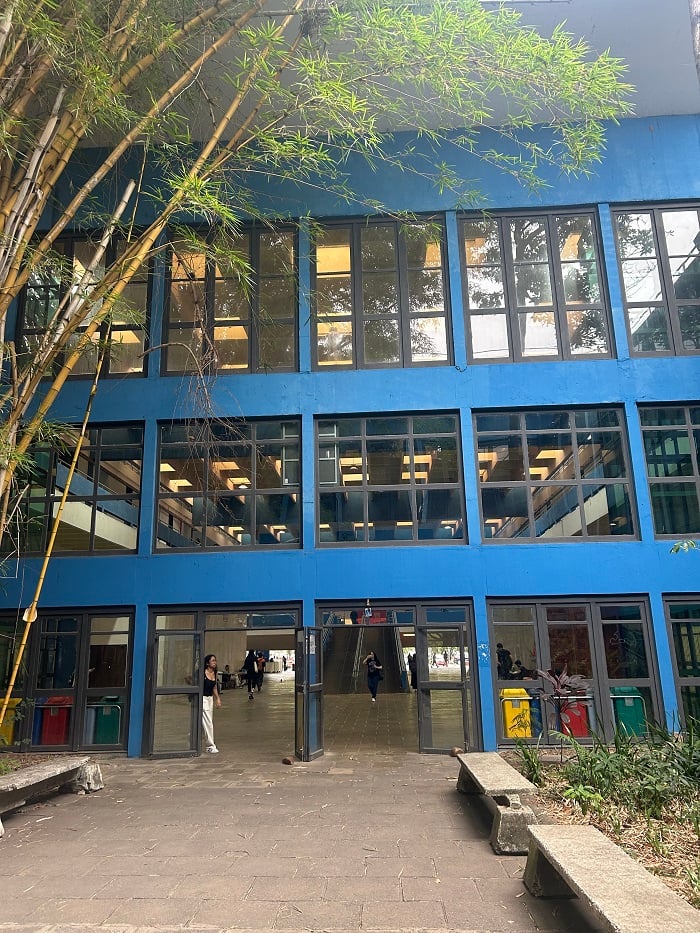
(381, 297)
(395, 479)
(534, 287)
(683, 617)
(672, 451)
(554, 474)
(71, 272)
(235, 314)
(659, 254)
(229, 485)
(102, 508)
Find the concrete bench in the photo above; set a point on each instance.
(79, 775)
(500, 785)
(568, 861)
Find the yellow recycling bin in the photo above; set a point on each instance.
(7, 730)
(515, 704)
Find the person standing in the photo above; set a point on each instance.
(250, 669)
(413, 669)
(374, 673)
(210, 695)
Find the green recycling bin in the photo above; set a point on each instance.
(629, 712)
(108, 718)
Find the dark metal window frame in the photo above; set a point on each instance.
(668, 299)
(357, 316)
(411, 486)
(252, 490)
(96, 500)
(593, 605)
(26, 690)
(692, 479)
(680, 681)
(253, 232)
(559, 305)
(578, 482)
(67, 243)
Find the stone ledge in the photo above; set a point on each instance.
(76, 774)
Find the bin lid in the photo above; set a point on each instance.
(624, 692)
(518, 692)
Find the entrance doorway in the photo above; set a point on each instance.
(181, 639)
(421, 705)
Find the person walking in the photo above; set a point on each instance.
(210, 695)
(250, 669)
(413, 669)
(374, 673)
(261, 662)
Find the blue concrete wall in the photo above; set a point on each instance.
(646, 160)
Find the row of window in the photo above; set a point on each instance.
(534, 289)
(547, 475)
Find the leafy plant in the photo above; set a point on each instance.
(532, 766)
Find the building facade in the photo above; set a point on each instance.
(472, 436)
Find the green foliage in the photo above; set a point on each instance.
(531, 762)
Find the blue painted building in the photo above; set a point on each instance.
(478, 431)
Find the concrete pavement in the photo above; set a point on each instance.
(239, 841)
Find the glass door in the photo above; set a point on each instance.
(55, 682)
(308, 709)
(569, 651)
(446, 707)
(176, 690)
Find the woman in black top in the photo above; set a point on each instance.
(250, 668)
(210, 693)
(374, 673)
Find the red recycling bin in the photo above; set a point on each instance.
(574, 718)
(55, 722)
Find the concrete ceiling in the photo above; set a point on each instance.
(652, 36)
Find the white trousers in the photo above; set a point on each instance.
(208, 720)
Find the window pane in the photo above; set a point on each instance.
(504, 511)
(668, 453)
(436, 460)
(538, 333)
(485, 288)
(576, 237)
(587, 331)
(231, 347)
(607, 509)
(489, 333)
(334, 343)
(601, 454)
(116, 525)
(184, 349)
(334, 296)
(533, 285)
(635, 235)
(641, 279)
(649, 327)
(277, 345)
(481, 242)
(428, 340)
(126, 351)
(686, 641)
(379, 294)
(172, 724)
(550, 456)
(230, 300)
(501, 458)
(385, 461)
(341, 517)
(675, 507)
(625, 653)
(581, 283)
(378, 247)
(556, 510)
(689, 323)
(276, 252)
(529, 239)
(386, 510)
(333, 250)
(381, 340)
(277, 299)
(682, 231)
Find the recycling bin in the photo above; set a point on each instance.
(629, 711)
(515, 705)
(7, 730)
(55, 721)
(535, 714)
(108, 718)
(575, 723)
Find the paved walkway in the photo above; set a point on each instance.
(375, 841)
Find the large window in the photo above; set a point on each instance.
(72, 271)
(548, 475)
(229, 485)
(102, 508)
(534, 287)
(390, 479)
(672, 451)
(683, 617)
(381, 297)
(607, 643)
(235, 314)
(659, 254)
